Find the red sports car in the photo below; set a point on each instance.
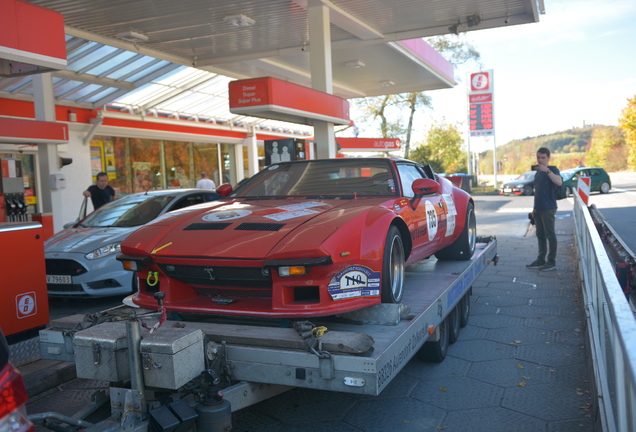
(302, 239)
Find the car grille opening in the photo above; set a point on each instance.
(60, 267)
(207, 226)
(306, 294)
(219, 276)
(65, 288)
(256, 226)
(106, 283)
(241, 293)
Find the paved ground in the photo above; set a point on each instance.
(519, 365)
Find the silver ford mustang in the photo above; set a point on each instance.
(80, 260)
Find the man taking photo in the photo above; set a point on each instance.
(545, 207)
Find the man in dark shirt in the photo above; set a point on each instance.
(100, 193)
(545, 207)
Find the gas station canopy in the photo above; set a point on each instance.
(178, 56)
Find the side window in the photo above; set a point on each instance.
(594, 173)
(188, 201)
(408, 174)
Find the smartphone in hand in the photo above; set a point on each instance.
(534, 167)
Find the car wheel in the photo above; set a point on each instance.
(568, 191)
(464, 247)
(604, 188)
(436, 351)
(393, 267)
(527, 190)
(464, 310)
(454, 324)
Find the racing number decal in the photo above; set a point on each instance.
(431, 220)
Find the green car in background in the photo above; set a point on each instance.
(600, 180)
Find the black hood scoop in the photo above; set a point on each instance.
(255, 226)
(207, 226)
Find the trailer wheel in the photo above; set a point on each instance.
(454, 324)
(436, 351)
(464, 309)
(393, 268)
(464, 247)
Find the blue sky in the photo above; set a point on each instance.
(578, 64)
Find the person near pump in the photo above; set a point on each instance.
(544, 211)
(205, 182)
(100, 193)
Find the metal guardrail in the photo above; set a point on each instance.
(611, 326)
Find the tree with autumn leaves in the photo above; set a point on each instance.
(627, 123)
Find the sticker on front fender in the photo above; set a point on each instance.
(354, 281)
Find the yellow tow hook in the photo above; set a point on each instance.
(153, 278)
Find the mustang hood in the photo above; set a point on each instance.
(247, 229)
(84, 240)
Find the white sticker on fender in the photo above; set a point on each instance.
(226, 215)
(452, 212)
(291, 214)
(431, 220)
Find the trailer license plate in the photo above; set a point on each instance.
(55, 279)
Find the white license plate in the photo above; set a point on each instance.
(507, 190)
(55, 279)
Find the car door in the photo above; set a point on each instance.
(427, 222)
(595, 182)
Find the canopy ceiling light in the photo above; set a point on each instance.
(357, 63)
(454, 29)
(473, 20)
(132, 36)
(239, 20)
(387, 83)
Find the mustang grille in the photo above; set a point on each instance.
(255, 226)
(61, 267)
(235, 277)
(207, 226)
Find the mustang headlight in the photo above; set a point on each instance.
(103, 251)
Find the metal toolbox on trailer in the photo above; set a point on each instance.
(172, 356)
(101, 352)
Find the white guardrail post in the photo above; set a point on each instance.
(611, 326)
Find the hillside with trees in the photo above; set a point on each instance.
(591, 146)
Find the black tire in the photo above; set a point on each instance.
(393, 267)
(135, 284)
(604, 188)
(527, 190)
(464, 309)
(568, 191)
(436, 351)
(464, 247)
(454, 324)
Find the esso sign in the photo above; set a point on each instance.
(480, 82)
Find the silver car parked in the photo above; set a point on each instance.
(80, 260)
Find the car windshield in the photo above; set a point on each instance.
(338, 178)
(526, 176)
(129, 211)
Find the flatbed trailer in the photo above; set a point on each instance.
(358, 352)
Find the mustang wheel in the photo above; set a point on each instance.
(527, 190)
(464, 247)
(393, 268)
(604, 188)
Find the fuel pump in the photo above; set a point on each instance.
(13, 206)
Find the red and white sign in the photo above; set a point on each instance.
(32, 131)
(25, 305)
(583, 189)
(481, 82)
(272, 98)
(480, 98)
(369, 144)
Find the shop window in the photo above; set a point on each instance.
(206, 159)
(145, 156)
(177, 156)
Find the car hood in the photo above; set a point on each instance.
(85, 240)
(248, 229)
(513, 183)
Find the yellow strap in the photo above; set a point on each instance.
(319, 331)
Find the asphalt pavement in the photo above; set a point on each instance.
(520, 364)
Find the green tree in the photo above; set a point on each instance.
(443, 149)
(627, 122)
(606, 144)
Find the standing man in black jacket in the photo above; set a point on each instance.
(545, 207)
(100, 193)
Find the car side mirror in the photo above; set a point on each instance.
(224, 190)
(423, 187)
